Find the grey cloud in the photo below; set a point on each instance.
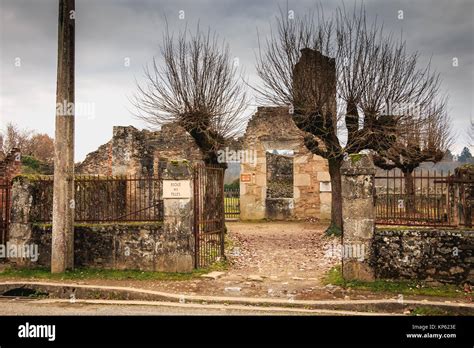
(107, 31)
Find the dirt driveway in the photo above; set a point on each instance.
(281, 251)
(279, 258)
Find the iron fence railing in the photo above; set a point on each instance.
(427, 198)
(104, 199)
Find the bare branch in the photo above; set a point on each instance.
(197, 87)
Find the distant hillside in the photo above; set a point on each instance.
(232, 172)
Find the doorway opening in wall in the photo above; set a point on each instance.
(279, 194)
(232, 191)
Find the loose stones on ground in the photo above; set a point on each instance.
(213, 275)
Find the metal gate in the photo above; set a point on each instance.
(209, 225)
(232, 203)
(5, 199)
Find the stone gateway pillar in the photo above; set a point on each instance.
(178, 217)
(358, 214)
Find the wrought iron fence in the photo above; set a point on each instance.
(104, 199)
(231, 203)
(427, 198)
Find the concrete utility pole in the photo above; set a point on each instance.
(62, 253)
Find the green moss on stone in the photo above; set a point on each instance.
(333, 230)
(31, 177)
(105, 224)
(355, 157)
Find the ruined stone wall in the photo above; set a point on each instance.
(272, 128)
(97, 162)
(137, 152)
(424, 254)
(131, 152)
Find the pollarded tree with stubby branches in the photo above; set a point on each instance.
(197, 86)
(311, 62)
(426, 137)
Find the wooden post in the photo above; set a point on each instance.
(62, 253)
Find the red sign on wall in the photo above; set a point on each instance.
(245, 177)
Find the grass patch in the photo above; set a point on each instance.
(333, 230)
(104, 274)
(405, 287)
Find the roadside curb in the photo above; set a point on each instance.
(257, 309)
(75, 292)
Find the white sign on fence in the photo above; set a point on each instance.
(176, 189)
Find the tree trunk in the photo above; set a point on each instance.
(409, 191)
(62, 253)
(336, 196)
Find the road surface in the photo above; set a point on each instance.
(105, 307)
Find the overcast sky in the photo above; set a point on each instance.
(111, 33)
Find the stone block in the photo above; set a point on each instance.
(302, 180)
(324, 176)
(325, 212)
(184, 263)
(325, 198)
(355, 270)
(355, 228)
(243, 188)
(301, 159)
(311, 212)
(261, 179)
(360, 208)
(296, 193)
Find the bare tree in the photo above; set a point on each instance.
(40, 146)
(312, 61)
(197, 87)
(425, 138)
(13, 137)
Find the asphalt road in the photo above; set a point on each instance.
(32, 307)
